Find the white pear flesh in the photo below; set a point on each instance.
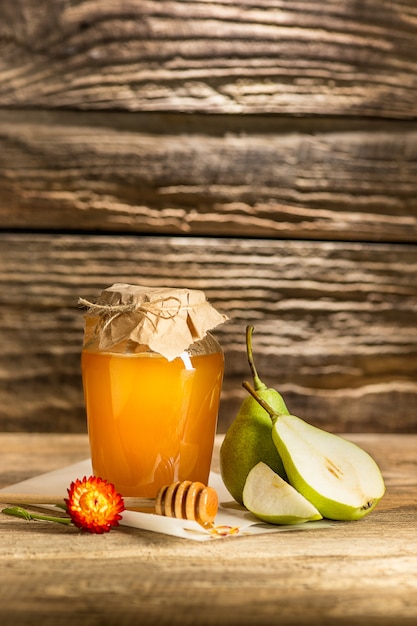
(341, 479)
(273, 500)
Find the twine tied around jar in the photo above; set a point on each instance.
(111, 311)
(165, 320)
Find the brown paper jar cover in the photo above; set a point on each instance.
(161, 319)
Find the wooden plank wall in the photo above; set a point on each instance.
(265, 152)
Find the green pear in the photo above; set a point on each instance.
(248, 439)
(273, 500)
(338, 477)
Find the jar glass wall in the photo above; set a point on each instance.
(152, 421)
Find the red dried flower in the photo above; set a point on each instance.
(94, 504)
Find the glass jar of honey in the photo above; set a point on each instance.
(151, 400)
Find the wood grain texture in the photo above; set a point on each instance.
(352, 574)
(239, 177)
(335, 323)
(264, 152)
(289, 58)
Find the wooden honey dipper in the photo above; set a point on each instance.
(183, 499)
(188, 500)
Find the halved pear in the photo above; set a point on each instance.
(273, 500)
(341, 479)
(338, 477)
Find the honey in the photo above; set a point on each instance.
(152, 377)
(152, 421)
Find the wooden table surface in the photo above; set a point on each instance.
(361, 572)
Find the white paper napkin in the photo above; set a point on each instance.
(230, 514)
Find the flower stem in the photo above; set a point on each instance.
(17, 511)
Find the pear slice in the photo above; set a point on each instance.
(341, 479)
(273, 500)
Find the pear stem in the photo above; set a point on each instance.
(257, 383)
(272, 414)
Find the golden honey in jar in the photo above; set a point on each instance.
(151, 401)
